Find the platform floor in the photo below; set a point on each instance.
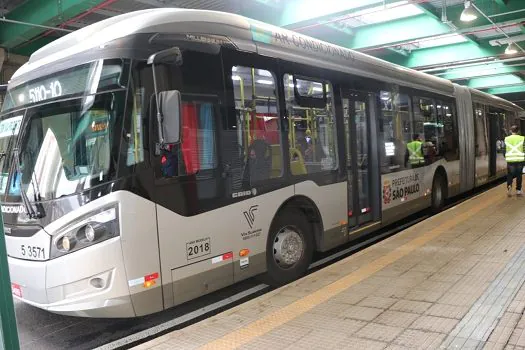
(454, 281)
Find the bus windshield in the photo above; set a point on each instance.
(65, 144)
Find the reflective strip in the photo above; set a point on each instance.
(514, 153)
(414, 155)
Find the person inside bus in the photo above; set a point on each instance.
(258, 164)
(414, 152)
(169, 161)
(515, 156)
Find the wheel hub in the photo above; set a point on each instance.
(288, 247)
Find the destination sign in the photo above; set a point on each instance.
(77, 80)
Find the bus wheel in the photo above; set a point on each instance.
(439, 193)
(289, 249)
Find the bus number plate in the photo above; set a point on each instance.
(197, 248)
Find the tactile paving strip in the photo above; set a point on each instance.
(475, 327)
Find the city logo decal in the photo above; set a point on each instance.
(387, 192)
(249, 215)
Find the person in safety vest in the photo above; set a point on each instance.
(515, 157)
(414, 154)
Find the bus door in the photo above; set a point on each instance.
(362, 204)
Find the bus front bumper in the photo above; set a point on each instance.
(90, 282)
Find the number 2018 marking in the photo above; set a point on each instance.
(198, 248)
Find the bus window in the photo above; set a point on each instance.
(258, 127)
(395, 130)
(312, 132)
(135, 135)
(482, 143)
(449, 142)
(427, 127)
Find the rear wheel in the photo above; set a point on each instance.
(289, 249)
(439, 193)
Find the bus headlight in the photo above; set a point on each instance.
(85, 231)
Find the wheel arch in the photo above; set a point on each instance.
(441, 171)
(308, 207)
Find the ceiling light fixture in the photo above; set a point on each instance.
(511, 49)
(469, 13)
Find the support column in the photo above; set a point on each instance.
(8, 331)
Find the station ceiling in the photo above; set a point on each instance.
(426, 35)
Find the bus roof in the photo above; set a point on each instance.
(246, 34)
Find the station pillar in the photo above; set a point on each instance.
(8, 331)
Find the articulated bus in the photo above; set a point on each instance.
(161, 155)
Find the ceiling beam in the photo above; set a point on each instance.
(297, 14)
(397, 31)
(447, 55)
(482, 71)
(497, 81)
(44, 12)
(506, 89)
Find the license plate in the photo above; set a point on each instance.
(16, 289)
(29, 248)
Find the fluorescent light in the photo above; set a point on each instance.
(469, 13)
(264, 72)
(385, 98)
(318, 89)
(511, 49)
(236, 77)
(264, 81)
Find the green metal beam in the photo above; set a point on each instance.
(497, 81)
(480, 71)
(50, 13)
(398, 31)
(506, 90)
(449, 54)
(300, 13)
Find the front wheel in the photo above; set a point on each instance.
(439, 193)
(289, 249)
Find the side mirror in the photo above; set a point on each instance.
(168, 102)
(170, 109)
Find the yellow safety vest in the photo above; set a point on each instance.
(415, 153)
(514, 149)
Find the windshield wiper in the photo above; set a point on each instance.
(27, 203)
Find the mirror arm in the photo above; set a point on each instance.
(159, 114)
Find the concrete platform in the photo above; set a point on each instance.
(454, 281)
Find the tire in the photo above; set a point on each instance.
(289, 230)
(439, 193)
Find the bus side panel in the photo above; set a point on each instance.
(140, 250)
(406, 192)
(465, 115)
(333, 205)
(198, 252)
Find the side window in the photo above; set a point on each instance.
(449, 142)
(311, 121)
(395, 130)
(426, 127)
(481, 130)
(135, 135)
(257, 126)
